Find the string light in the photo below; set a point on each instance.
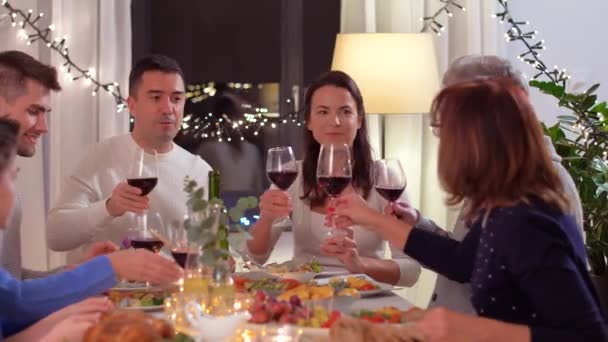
(531, 55)
(30, 32)
(433, 24)
(590, 121)
(589, 126)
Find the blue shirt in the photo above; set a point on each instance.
(23, 302)
(526, 265)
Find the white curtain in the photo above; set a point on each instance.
(407, 137)
(99, 37)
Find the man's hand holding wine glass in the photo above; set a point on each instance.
(127, 198)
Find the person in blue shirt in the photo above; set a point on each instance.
(522, 257)
(24, 302)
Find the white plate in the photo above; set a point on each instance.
(256, 275)
(326, 274)
(128, 286)
(302, 277)
(382, 287)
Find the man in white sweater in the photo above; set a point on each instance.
(96, 203)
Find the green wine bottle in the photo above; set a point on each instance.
(214, 193)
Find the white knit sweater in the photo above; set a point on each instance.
(80, 215)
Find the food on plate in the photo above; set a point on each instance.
(269, 284)
(291, 267)
(348, 329)
(129, 326)
(358, 283)
(389, 314)
(137, 298)
(266, 309)
(314, 292)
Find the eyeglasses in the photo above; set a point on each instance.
(435, 126)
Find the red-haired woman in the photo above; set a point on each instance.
(523, 256)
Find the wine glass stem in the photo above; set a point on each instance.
(142, 222)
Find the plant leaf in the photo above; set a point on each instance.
(592, 89)
(600, 108)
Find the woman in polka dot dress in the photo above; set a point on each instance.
(523, 258)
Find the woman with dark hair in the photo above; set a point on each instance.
(523, 256)
(334, 114)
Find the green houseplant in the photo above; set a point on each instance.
(581, 138)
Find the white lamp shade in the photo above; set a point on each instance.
(396, 72)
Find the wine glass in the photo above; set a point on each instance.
(178, 242)
(334, 171)
(143, 174)
(196, 274)
(389, 179)
(282, 170)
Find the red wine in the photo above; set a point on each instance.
(333, 185)
(145, 184)
(153, 245)
(282, 179)
(390, 194)
(180, 257)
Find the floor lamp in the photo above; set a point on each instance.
(396, 72)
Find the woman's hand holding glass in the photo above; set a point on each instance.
(282, 171)
(352, 209)
(334, 174)
(275, 204)
(344, 248)
(403, 211)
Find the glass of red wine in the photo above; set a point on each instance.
(282, 170)
(334, 171)
(143, 175)
(389, 179)
(180, 247)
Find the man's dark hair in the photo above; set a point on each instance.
(152, 63)
(9, 129)
(16, 67)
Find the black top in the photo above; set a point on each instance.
(526, 265)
